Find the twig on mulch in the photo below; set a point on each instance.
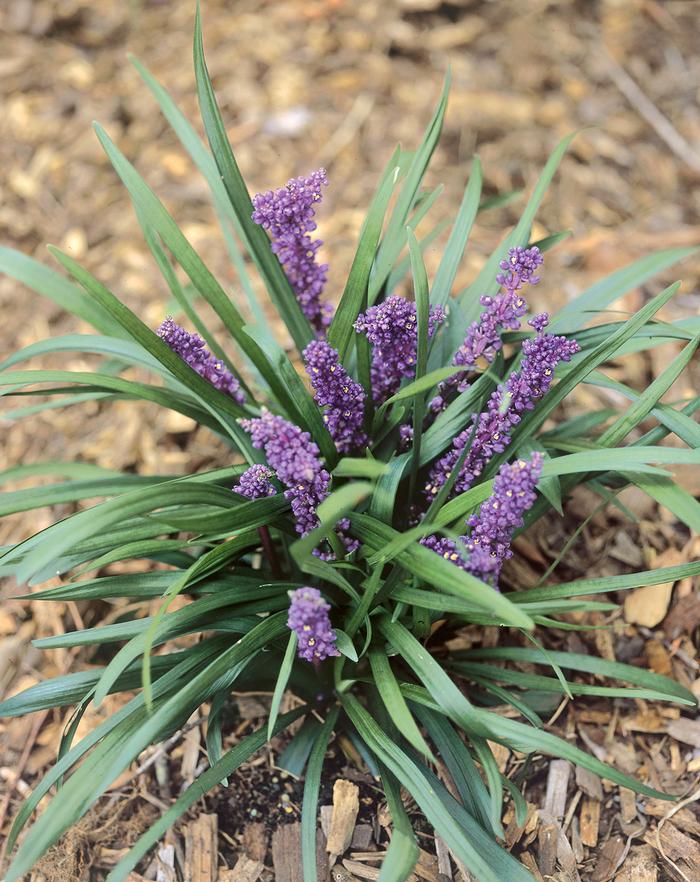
(651, 113)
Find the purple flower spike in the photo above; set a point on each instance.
(255, 483)
(520, 268)
(288, 216)
(523, 388)
(297, 461)
(447, 549)
(192, 349)
(308, 618)
(392, 329)
(483, 338)
(335, 389)
(499, 516)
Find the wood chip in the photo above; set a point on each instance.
(683, 617)
(201, 848)
(684, 818)
(531, 864)
(685, 730)
(557, 785)
(547, 837)
(326, 813)
(566, 858)
(658, 657)
(683, 851)
(427, 866)
(443, 857)
(246, 870)
(255, 841)
(648, 606)
(361, 837)
(165, 867)
(609, 859)
(639, 866)
(286, 853)
(628, 805)
(346, 805)
(190, 752)
(589, 783)
(360, 871)
(589, 821)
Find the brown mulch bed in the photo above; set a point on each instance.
(310, 82)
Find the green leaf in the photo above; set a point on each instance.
(72, 688)
(72, 491)
(354, 297)
(403, 852)
(167, 398)
(672, 496)
(586, 363)
(568, 319)
(460, 764)
(463, 835)
(389, 691)
(605, 584)
(50, 543)
(578, 463)
(309, 807)
(429, 566)
(50, 284)
(254, 237)
(422, 298)
(589, 664)
(118, 723)
(459, 235)
(281, 682)
(484, 724)
(124, 350)
(651, 396)
(485, 282)
(349, 467)
(329, 512)
(208, 396)
(155, 215)
(394, 234)
(483, 673)
(672, 420)
(297, 752)
(204, 161)
(345, 645)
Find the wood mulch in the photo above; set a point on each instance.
(310, 82)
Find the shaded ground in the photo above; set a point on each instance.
(337, 83)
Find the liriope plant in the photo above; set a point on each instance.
(367, 510)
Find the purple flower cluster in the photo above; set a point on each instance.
(488, 542)
(483, 338)
(392, 329)
(288, 215)
(297, 462)
(255, 483)
(335, 389)
(449, 549)
(508, 402)
(308, 618)
(192, 349)
(483, 551)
